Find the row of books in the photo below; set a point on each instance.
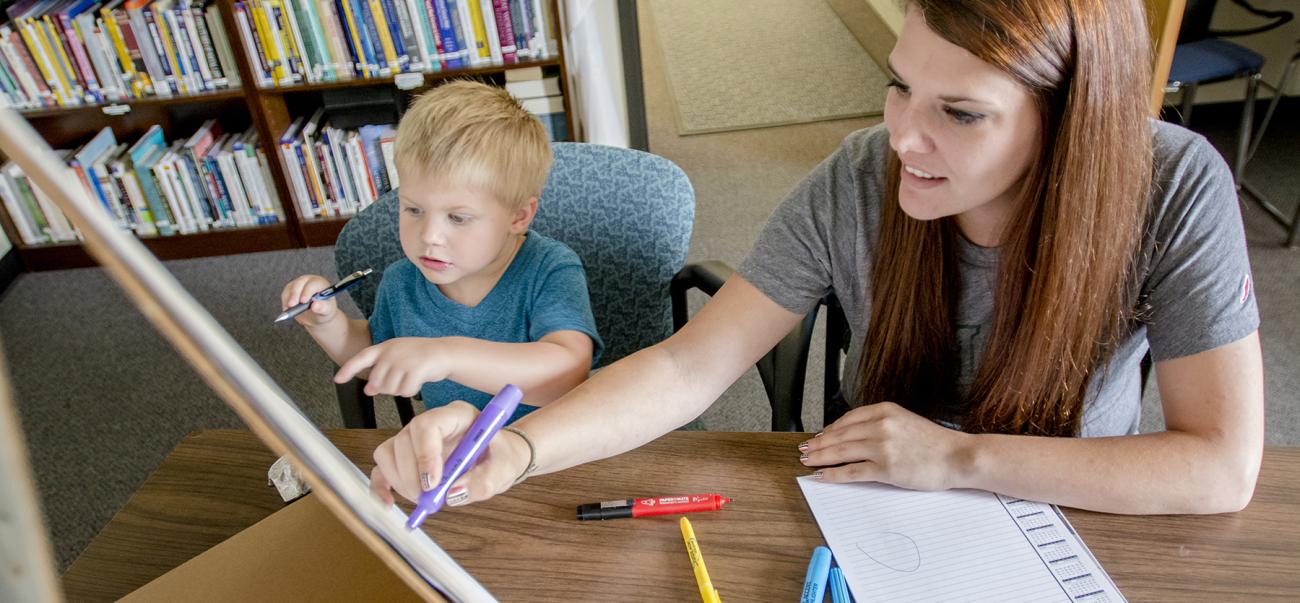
(334, 171)
(337, 172)
(208, 181)
(74, 52)
(308, 41)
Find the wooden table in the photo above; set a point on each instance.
(214, 484)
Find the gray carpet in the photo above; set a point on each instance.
(736, 64)
(103, 399)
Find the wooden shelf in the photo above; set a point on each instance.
(322, 232)
(176, 247)
(152, 101)
(390, 80)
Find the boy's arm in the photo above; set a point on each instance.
(341, 338)
(545, 369)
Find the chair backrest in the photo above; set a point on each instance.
(1196, 20)
(627, 214)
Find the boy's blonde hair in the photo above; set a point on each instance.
(474, 135)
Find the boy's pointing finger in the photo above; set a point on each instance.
(362, 361)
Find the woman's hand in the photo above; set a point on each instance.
(410, 462)
(398, 367)
(887, 443)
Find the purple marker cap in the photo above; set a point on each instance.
(471, 446)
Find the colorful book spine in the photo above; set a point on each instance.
(451, 51)
(258, 60)
(297, 45)
(130, 73)
(337, 39)
(363, 27)
(72, 38)
(200, 44)
(505, 31)
(28, 73)
(63, 66)
(312, 26)
(286, 44)
(404, 32)
(166, 60)
(141, 33)
(520, 22)
(468, 29)
(422, 23)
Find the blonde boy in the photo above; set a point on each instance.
(479, 300)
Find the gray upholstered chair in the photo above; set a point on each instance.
(627, 214)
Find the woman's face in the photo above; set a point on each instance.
(965, 131)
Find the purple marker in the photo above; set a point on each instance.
(488, 423)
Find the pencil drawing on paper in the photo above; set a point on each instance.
(892, 550)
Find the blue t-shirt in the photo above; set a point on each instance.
(542, 291)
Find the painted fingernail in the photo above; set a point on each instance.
(457, 496)
(426, 481)
(817, 475)
(803, 446)
(803, 457)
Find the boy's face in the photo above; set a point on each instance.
(461, 240)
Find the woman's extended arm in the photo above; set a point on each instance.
(1206, 461)
(623, 406)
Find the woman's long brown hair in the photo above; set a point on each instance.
(1067, 256)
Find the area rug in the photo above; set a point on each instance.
(740, 64)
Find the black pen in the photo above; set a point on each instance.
(325, 294)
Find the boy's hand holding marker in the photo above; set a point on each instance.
(300, 291)
(317, 294)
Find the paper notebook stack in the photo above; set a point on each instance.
(957, 545)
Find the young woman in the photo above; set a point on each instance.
(1007, 246)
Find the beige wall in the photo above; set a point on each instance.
(889, 12)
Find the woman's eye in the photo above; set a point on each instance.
(899, 86)
(963, 117)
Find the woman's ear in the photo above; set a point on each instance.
(523, 217)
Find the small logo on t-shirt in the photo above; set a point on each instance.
(1245, 289)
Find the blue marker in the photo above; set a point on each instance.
(839, 588)
(814, 584)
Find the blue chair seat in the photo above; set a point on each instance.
(1212, 60)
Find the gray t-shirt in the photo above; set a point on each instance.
(1195, 293)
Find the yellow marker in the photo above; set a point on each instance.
(707, 593)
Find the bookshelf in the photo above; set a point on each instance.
(269, 110)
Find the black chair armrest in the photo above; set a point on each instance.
(358, 408)
(707, 276)
(782, 370)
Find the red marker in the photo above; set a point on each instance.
(645, 507)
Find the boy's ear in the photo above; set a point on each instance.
(524, 216)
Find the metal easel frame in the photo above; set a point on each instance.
(232, 374)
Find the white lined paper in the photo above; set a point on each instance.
(903, 545)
